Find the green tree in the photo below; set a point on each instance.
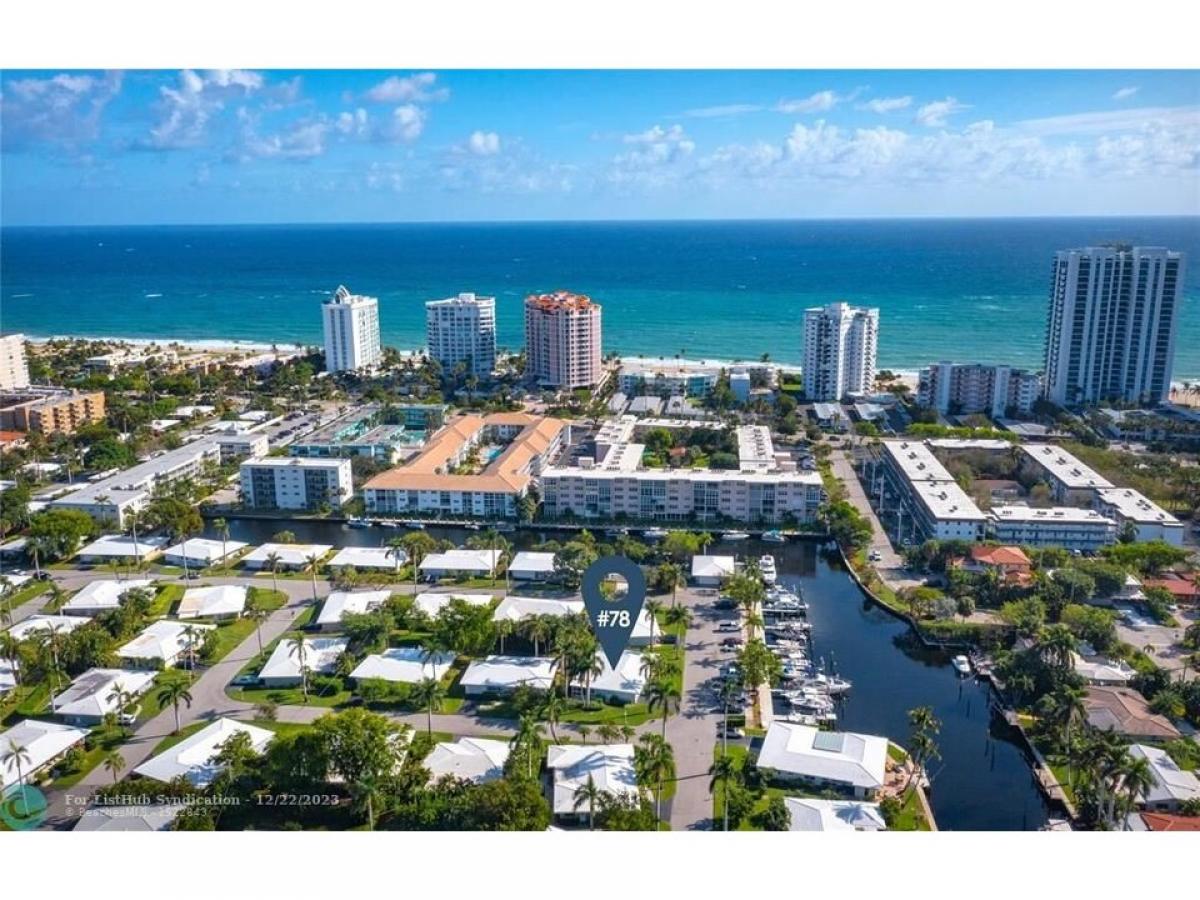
(427, 694)
(173, 691)
(654, 764)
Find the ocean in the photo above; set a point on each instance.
(967, 289)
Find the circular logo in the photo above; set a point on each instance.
(24, 808)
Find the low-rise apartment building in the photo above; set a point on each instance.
(288, 483)
(1069, 527)
(50, 410)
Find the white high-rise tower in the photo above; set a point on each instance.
(840, 342)
(1110, 333)
(351, 332)
(462, 329)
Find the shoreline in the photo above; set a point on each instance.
(907, 375)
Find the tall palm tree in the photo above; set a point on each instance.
(174, 691)
(429, 693)
(133, 519)
(368, 789)
(395, 549)
(663, 694)
(193, 636)
(722, 771)
(273, 560)
(654, 764)
(538, 629)
(18, 756)
(298, 650)
(1137, 778)
(114, 762)
(258, 615)
(608, 732)
(551, 710)
(679, 617)
(672, 574)
(10, 649)
(222, 528)
(653, 608)
(504, 628)
(528, 740)
(588, 795)
(312, 559)
(119, 698)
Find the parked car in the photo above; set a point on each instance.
(729, 625)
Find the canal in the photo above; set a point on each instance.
(983, 780)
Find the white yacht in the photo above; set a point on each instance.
(961, 664)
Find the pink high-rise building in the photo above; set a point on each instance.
(562, 340)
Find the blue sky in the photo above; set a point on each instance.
(216, 146)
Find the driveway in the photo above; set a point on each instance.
(1160, 642)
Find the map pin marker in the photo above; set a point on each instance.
(613, 618)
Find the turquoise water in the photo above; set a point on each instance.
(971, 290)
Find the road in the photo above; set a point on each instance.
(891, 566)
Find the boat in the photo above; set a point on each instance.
(472, 526)
(654, 534)
(388, 523)
(774, 537)
(415, 525)
(961, 664)
(766, 565)
(616, 532)
(505, 526)
(358, 523)
(734, 536)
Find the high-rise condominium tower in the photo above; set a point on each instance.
(840, 342)
(1110, 333)
(462, 329)
(351, 332)
(562, 340)
(14, 372)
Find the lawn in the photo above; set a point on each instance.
(165, 600)
(103, 743)
(231, 634)
(911, 816)
(25, 593)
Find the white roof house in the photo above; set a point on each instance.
(218, 601)
(44, 741)
(370, 558)
(103, 594)
(113, 547)
(459, 562)
(8, 675)
(10, 582)
(625, 683)
(162, 641)
(26, 628)
(150, 817)
(1172, 786)
(501, 674)
(712, 570)
(432, 602)
(192, 757)
(609, 765)
(339, 603)
(530, 566)
(842, 759)
(477, 760)
(405, 664)
(90, 696)
(202, 552)
(515, 609)
(291, 556)
(1099, 670)
(320, 658)
(811, 814)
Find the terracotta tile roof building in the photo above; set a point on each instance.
(1167, 822)
(1126, 712)
(563, 340)
(430, 482)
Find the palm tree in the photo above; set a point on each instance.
(258, 615)
(10, 649)
(368, 789)
(119, 698)
(312, 559)
(395, 549)
(654, 763)
(273, 560)
(672, 574)
(174, 691)
(193, 636)
(653, 608)
(608, 732)
(552, 710)
(588, 795)
(1055, 644)
(222, 528)
(538, 630)
(298, 648)
(1136, 779)
(18, 756)
(504, 628)
(114, 762)
(429, 693)
(528, 739)
(585, 732)
(679, 617)
(664, 695)
(133, 519)
(722, 771)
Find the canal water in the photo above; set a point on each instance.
(982, 782)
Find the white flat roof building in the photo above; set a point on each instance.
(162, 642)
(503, 674)
(1173, 784)
(623, 684)
(459, 562)
(14, 369)
(756, 451)
(192, 758)
(408, 665)
(462, 329)
(26, 628)
(1098, 670)
(90, 696)
(1070, 479)
(516, 609)
(295, 482)
(610, 767)
(433, 602)
(840, 343)
(351, 324)
(102, 594)
(530, 566)
(370, 558)
(321, 656)
(219, 601)
(477, 760)
(339, 603)
(291, 556)
(110, 547)
(712, 570)
(1149, 520)
(45, 742)
(1070, 527)
(811, 814)
(202, 552)
(840, 759)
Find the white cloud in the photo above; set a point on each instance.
(406, 124)
(716, 112)
(62, 109)
(935, 114)
(484, 143)
(303, 140)
(822, 101)
(187, 108)
(658, 155)
(355, 124)
(1125, 93)
(1110, 121)
(883, 105)
(419, 88)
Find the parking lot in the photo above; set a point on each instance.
(1160, 642)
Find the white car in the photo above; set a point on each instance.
(728, 626)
